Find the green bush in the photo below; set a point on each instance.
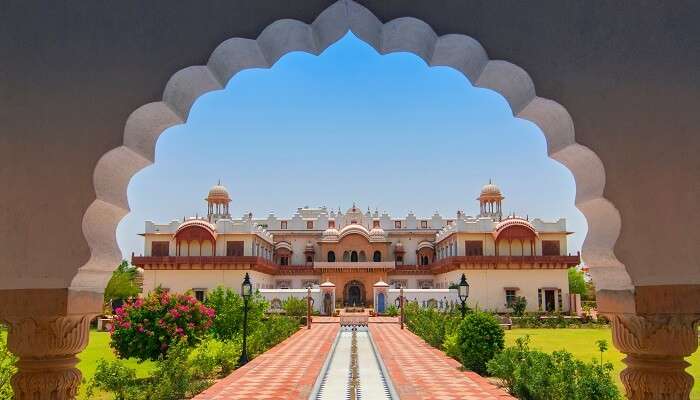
(228, 305)
(392, 310)
(480, 339)
(294, 307)
(272, 331)
(214, 358)
(518, 306)
(431, 324)
(7, 368)
(174, 379)
(114, 377)
(146, 328)
(535, 375)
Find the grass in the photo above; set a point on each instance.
(581, 343)
(98, 348)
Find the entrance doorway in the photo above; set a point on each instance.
(380, 303)
(354, 295)
(549, 302)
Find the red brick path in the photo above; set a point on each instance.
(419, 371)
(287, 371)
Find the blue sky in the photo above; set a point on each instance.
(348, 126)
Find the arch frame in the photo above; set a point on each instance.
(115, 168)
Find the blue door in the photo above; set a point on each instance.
(380, 303)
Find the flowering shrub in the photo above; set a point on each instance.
(146, 328)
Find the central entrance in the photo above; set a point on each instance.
(354, 293)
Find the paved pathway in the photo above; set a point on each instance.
(287, 371)
(419, 371)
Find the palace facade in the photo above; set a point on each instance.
(502, 256)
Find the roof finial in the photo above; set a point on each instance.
(219, 182)
(489, 181)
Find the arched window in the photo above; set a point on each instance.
(284, 260)
(309, 259)
(353, 256)
(377, 257)
(346, 256)
(363, 256)
(331, 256)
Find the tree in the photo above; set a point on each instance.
(228, 306)
(577, 283)
(122, 285)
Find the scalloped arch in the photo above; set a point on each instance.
(462, 53)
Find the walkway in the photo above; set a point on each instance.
(287, 371)
(419, 371)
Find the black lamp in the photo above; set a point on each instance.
(463, 294)
(246, 292)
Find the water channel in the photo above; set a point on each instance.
(353, 369)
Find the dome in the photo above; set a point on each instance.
(490, 189)
(377, 233)
(218, 192)
(331, 232)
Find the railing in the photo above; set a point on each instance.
(359, 264)
(202, 260)
(564, 260)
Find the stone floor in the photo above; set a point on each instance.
(289, 370)
(419, 371)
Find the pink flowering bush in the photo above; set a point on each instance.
(147, 328)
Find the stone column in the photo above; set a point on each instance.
(656, 327)
(656, 346)
(47, 328)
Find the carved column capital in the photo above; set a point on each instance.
(47, 348)
(656, 345)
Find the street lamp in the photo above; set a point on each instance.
(246, 292)
(463, 294)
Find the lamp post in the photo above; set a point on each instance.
(246, 292)
(401, 305)
(463, 294)
(309, 304)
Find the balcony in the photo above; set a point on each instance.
(538, 262)
(355, 265)
(203, 262)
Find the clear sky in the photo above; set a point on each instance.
(348, 126)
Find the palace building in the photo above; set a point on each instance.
(353, 251)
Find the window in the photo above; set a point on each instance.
(510, 297)
(397, 224)
(424, 224)
(309, 259)
(160, 249)
(309, 224)
(399, 259)
(234, 248)
(375, 224)
(199, 294)
(331, 224)
(363, 256)
(474, 248)
(424, 260)
(353, 256)
(284, 260)
(346, 256)
(377, 257)
(550, 248)
(449, 222)
(331, 256)
(283, 224)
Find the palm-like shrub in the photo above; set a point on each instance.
(147, 328)
(480, 338)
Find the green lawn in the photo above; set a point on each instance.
(98, 348)
(581, 342)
